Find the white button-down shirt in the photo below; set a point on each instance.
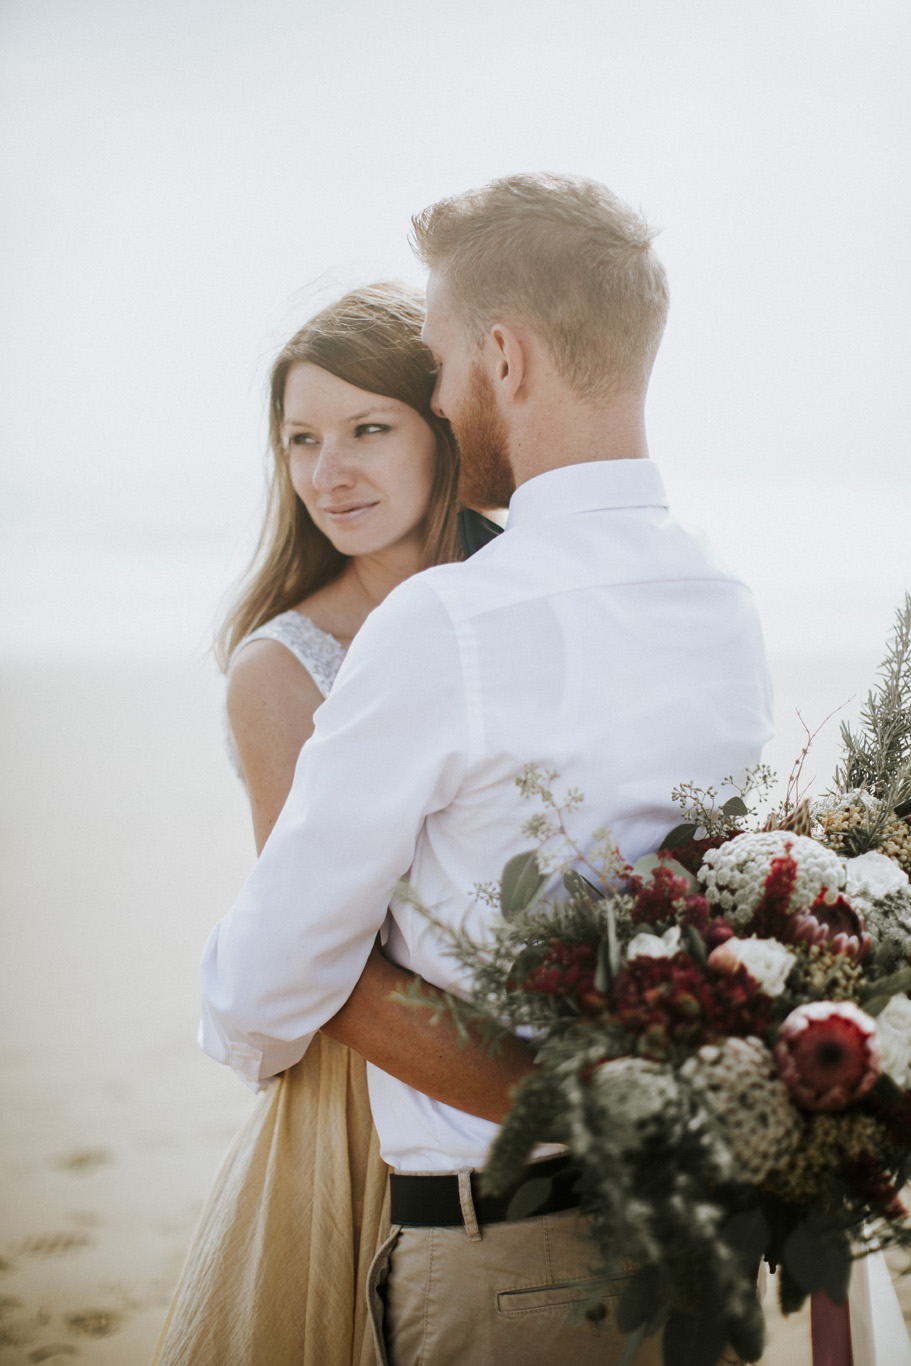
(596, 637)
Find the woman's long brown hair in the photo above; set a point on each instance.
(371, 338)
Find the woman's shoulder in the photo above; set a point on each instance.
(319, 653)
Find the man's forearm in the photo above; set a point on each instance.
(398, 1038)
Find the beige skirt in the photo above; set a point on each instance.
(278, 1265)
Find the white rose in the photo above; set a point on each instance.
(871, 876)
(893, 1031)
(655, 946)
(766, 960)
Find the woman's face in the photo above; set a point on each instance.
(361, 464)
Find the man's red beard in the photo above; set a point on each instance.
(486, 479)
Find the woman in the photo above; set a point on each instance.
(362, 495)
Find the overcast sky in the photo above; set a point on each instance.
(188, 179)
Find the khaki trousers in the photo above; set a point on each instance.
(502, 1295)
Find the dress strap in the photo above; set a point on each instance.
(320, 653)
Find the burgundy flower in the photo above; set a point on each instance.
(691, 854)
(827, 1054)
(772, 914)
(567, 970)
(718, 931)
(839, 926)
(658, 897)
(867, 1177)
(666, 1001)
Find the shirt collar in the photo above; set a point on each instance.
(594, 485)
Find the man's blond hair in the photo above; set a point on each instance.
(566, 256)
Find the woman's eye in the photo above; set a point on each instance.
(302, 439)
(370, 428)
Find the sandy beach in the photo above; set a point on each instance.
(125, 836)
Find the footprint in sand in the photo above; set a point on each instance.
(95, 1323)
(51, 1244)
(9, 1336)
(84, 1160)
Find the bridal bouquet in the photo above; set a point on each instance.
(723, 1033)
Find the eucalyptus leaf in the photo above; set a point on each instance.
(819, 1258)
(603, 975)
(646, 865)
(640, 1300)
(748, 1234)
(577, 885)
(747, 1334)
(631, 1347)
(529, 1197)
(521, 884)
(875, 1005)
(681, 834)
(694, 944)
(614, 955)
(693, 1340)
(887, 986)
(735, 806)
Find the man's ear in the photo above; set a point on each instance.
(510, 361)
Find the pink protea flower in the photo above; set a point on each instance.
(839, 926)
(827, 1054)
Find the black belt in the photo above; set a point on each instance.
(433, 1201)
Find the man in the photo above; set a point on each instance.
(594, 637)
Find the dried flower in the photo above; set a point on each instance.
(640, 1102)
(738, 1085)
(837, 924)
(871, 876)
(893, 1032)
(829, 1143)
(827, 1054)
(669, 1001)
(736, 874)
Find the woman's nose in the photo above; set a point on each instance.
(332, 469)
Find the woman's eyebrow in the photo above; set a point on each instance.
(356, 417)
(368, 412)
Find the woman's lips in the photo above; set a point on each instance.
(346, 512)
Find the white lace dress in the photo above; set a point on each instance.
(278, 1264)
(320, 654)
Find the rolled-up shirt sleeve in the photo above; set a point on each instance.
(390, 746)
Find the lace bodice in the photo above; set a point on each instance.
(320, 654)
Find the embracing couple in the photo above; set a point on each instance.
(594, 637)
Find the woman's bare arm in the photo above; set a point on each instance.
(271, 702)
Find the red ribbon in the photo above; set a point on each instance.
(830, 1328)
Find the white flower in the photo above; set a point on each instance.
(871, 876)
(766, 960)
(893, 1031)
(655, 946)
(640, 1102)
(734, 875)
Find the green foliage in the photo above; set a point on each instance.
(818, 1256)
(702, 816)
(876, 758)
(522, 884)
(535, 1117)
